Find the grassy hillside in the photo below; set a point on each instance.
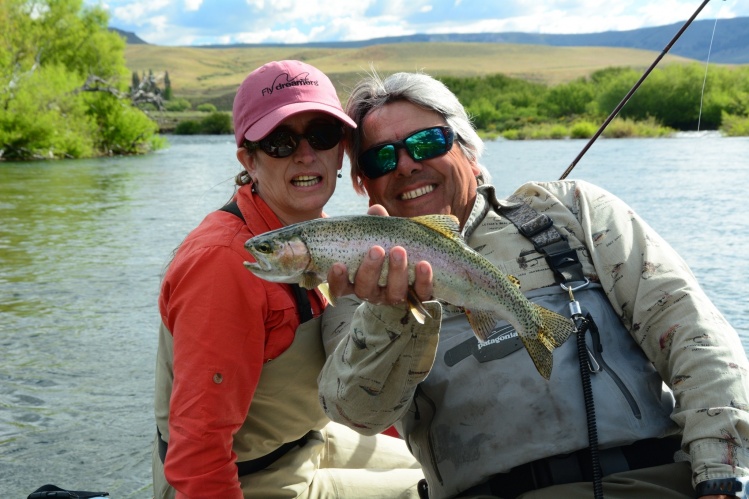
(213, 74)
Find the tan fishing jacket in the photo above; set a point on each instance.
(381, 371)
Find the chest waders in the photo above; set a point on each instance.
(563, 261)
(304, 309)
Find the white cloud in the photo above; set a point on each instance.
(270, 35)
(138, 13)
(193, 5)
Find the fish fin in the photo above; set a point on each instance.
(310, 280)
(447, 225)
(514, 280)
(482, 322)
(324, 288)
(416, 307)
(555, 328)
(540, 355)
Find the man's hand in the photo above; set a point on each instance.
(366, 285)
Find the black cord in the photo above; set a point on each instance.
(590, 410)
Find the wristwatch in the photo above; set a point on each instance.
(727, 486)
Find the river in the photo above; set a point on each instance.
(83, 244)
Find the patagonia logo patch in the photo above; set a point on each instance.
(503, 341)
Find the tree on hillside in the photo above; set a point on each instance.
(63, 84)
(135, 82)
(167, 86)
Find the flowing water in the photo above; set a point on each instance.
(83, 245)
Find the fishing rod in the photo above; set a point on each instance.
(632, 91)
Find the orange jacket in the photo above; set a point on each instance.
(224, 330)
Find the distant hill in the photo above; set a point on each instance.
(729, 45)
(130, 37)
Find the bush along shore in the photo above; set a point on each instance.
(192, 122)
(670, 100)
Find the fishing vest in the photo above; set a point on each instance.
(484, 408)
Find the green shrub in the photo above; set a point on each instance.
(558, 132)
(734, 126)
(625, 127)
(44, 119)
(213, 124)
(123, 128)
(206, 107)
(177, 105)
(510, 134)
(583, 130)
(216, 124)
(187, 127)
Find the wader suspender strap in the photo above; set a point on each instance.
(300, 295)
(243, 467)
(547, 240)
(565, 264)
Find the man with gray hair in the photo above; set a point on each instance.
(662, 411)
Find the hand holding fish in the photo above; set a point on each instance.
(366, 283)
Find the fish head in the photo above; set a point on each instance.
(279, 257)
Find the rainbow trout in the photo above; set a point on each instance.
(303, 253)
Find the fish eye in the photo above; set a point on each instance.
(263, 247)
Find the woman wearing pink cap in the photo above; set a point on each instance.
(236, 401)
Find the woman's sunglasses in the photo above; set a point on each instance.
(282, 142)
(421, 145)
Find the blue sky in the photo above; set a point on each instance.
(200, 22)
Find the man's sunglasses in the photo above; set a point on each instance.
(421, 145)
(282, 142)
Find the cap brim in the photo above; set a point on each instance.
(267, 123)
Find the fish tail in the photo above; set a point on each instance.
(555, 329)
(540, 355)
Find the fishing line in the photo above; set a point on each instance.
(707, 64)
(632, 90)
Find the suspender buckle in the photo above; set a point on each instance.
(564, 262)
(535, 226)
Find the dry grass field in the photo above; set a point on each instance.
(213, 74)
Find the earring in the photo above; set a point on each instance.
(339, 175)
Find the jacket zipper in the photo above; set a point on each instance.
(595, 352)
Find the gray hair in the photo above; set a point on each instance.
(421, 90)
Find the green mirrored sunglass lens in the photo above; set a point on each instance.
(385, 158)
(426, 144)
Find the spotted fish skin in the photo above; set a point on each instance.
(303, 253)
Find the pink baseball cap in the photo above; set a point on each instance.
(275, 91)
